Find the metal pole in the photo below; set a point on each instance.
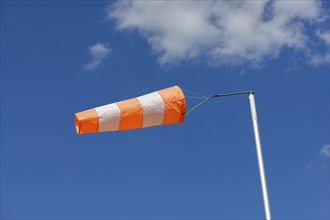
(258, 145)
(259, 154)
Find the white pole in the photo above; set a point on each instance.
(259, 154)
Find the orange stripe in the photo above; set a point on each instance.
(175, 105)
(86, 121)
(131, 114)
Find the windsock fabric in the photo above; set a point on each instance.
(167, 106)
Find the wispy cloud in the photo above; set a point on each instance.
(325, 151)
(224, 32)
(324, 36)
(317, 58)
(321, 162)
(99, 52)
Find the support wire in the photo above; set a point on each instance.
(210, 97)
(194, 93)
(196, 106)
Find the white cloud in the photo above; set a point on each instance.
(325, 151)
(224, 32)
(99, 52)
(317, 58)
(324, 36)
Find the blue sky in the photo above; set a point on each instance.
(62, 57)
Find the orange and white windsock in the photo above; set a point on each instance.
(167, 106)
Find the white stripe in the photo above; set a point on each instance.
(109, 117)
(153, 109)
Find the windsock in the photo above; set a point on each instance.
(167, 106)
